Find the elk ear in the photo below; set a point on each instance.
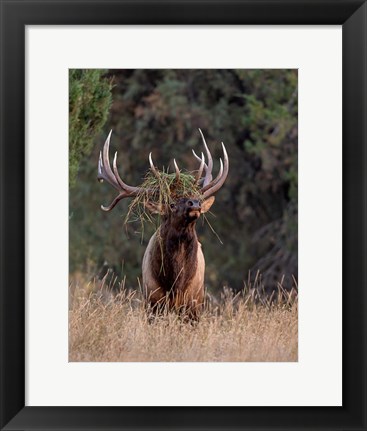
(205, 206)
(154, 207)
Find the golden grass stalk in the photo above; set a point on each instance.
(104, 327)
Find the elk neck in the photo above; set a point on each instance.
(175, 255)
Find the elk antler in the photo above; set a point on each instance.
(217, 183)
(152, 167)
(177, 170)
(202, 164)
(112, 177)
(210, 186)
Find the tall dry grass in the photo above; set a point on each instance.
(249, 326)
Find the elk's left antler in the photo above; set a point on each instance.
(210, 186)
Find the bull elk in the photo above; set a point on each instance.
(173, 264)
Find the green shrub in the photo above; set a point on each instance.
(89, 102)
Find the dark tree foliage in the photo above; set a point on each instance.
(89, 102)
(254, 112)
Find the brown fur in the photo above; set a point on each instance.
(173, 263)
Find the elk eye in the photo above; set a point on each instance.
(190, 204)
(172, 205)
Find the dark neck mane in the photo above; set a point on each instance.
(174, 260)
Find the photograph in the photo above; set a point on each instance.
(183, 215)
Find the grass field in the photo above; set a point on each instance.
(107, 327)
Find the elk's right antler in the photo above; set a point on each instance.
(105, 173)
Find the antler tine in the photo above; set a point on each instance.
(199, 158)
(114, 202)
(219, 180)
(200, 180)
(200, 171)
(209, 167)
(152, 167)
(122, 184)
(177, 170)
(105, 173)
(100, 176)
(104, 168)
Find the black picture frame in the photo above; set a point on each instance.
(15, 16)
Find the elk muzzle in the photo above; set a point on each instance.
(193, 208)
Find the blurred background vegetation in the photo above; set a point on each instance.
(254, 112)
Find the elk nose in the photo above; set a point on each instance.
(194, 204)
